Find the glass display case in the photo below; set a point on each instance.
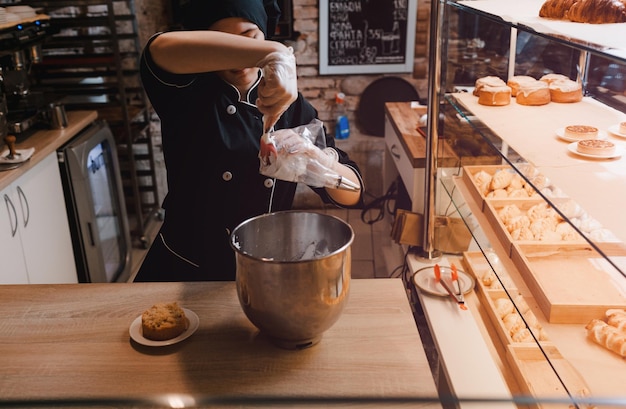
(548, 252)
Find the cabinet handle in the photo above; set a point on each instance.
(394, 151)
(24, 206)
(13, 221)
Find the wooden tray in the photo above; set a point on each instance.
(567, 281)
(488, 296)
(492, 209)
(476, 264)
(536, 375)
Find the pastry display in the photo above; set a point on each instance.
(565, 91)
(580, 132)
(533, 93)
(585, 11)
(597, 147)
(516, 81)
(163, 321)
(494, 95)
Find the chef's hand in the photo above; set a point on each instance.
(278, 88)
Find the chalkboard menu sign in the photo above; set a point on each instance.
(367, 36)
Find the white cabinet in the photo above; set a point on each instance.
(35, 241)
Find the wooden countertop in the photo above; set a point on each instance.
(47, 141)
(405, 122)
(72, 341)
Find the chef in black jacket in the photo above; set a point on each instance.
(206, 85)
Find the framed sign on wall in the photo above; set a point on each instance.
(366, 36)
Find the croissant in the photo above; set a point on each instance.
(555, 8)
(597, 11)
(585, 11)
(609, 337)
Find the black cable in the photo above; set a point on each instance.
(380, 204)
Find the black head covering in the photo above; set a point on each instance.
(201, 14)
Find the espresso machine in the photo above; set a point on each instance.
(20, 108)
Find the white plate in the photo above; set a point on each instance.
(137, 335)
(424, 279)
(614, 129)
(561, 134)
(616, 154)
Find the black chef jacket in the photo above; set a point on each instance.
(211, 145)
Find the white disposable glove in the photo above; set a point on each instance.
(299, 160)
(278, 88)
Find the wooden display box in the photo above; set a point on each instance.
(568, 281)
(475, 263)
(536, 375)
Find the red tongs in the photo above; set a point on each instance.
(454, 277)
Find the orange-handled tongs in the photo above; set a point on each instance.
(458, 298)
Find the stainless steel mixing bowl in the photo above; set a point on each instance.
(293, 274)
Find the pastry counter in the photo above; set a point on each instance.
(47, 141)
(72, 342)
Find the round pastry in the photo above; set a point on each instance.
(517, 80)
(595, 147)
(491, 80)
(565, 91)
(580, 132)
(622, 128)
(536, 93)
(163, 321)
(494, 95)
(549, 78)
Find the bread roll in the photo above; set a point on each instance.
(163, 321)
(494, 95)
(565, 91)
(533, 93)
(503, 307)
(501, 179)
(550, 78)
(609, 337)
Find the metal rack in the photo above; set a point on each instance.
(93, 60)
